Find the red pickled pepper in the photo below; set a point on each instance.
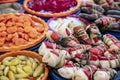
(52, 5)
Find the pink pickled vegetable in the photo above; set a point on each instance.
(51, 5)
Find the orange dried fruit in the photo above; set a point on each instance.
(9, 23)
(20, 29)
(39, 34)
(11, 44)
(2, 41)
(26, 37)
(9, 37)
(3, 34)
(20, 34)
(2, 27)
(39, 28)
(33, 33)
(15, 34)
(28, 29)
(20, 41)
(12, 29)
(26, 24)
(6, 44)
(2, 18)
(31, 39)
(14, 38)
(19, 24)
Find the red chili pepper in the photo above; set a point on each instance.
(111, 51)
(87, 41)
(80, 56)
(103, 58)
(68, 32)
(95, 39)
(68, 64)
(93, 57)
(87, 74)
(95, 51)
(55, 36)
(55, 53)
(71, 49)
(113, 58)
(48, 45)
(70, 45)
(88, 47)
(94, 67)
(76, 40)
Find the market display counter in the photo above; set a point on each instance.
(80, 42)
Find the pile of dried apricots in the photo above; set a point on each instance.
(17, 30)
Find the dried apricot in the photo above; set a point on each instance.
(3, 34)
(33, 33)
(39, 34)
(19, 24)
(26, 37)
(9, 23)
(9, 37)
(2, 18)
(26, 24)
(28, 29)
(39, 28)
(15, 34)
(20, 41)
(12, 29)
(2, 41)
(32, 23)
(20, 29)
(6, 44)
(14, 38)
(20, 34)
(11, 44)
(2, 27)
(31, 39)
